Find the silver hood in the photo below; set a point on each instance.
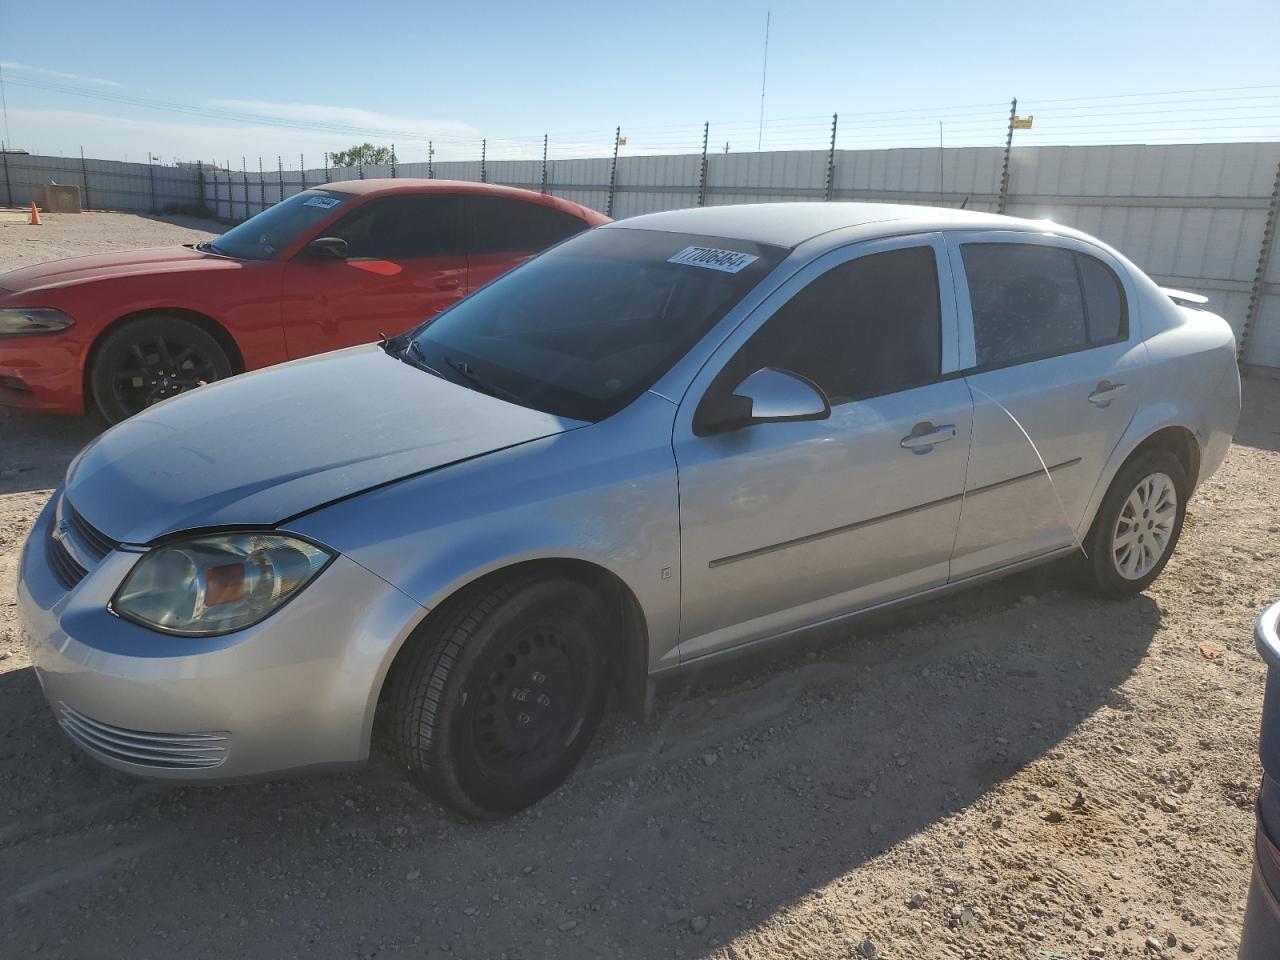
(269, 445)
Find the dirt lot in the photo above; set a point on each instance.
(1022, 771)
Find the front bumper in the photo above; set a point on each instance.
(297, 690)
(44, 373)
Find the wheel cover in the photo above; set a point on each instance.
(528, 702)
(1145, 526)
(156, 367)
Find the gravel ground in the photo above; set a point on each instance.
(68, 235)
(1020, 771)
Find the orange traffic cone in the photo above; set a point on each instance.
(35, 215)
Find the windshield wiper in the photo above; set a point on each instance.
(477, 382)
(208, 246)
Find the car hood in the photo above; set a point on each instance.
(103, 266)
(266, 446)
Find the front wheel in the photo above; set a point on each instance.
(493, 707)
(1138, 524)
(151, 359)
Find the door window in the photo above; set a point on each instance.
(1032, 301)
(867, 327)
(502, 225)
(403, 228)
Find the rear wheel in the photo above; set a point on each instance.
(1138, 524)
(493, 708)
(151, 359)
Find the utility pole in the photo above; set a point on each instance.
(764, 75)
(1003, 201)
(702, 177)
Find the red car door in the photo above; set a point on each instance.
(406, 261)
(503, 232)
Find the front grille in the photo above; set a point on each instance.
(95, 541)
(171, 751)
(67, 559)
(64, 566)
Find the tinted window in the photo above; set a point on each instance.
(402, 228)
(263, 236)
(499, 225)
(586, 328)
(1026, 301)
(867, 327)
(1103, 301)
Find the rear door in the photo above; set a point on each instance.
(503, 232)
(1046, 341)
(784, 524)
(406, 261)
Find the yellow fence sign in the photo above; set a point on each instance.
(1022, 123)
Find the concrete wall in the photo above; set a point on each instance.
(1192, 215)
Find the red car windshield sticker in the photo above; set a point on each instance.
(325, 202)
(728, 261)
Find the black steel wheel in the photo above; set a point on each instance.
(493, 706)
(152, 359)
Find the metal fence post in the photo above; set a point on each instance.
(244, 175)
(1259, 288)
(431, 156)
(1008, 148)
(393, 161)
(151, 172)
(613, 172)
(702, 174)
(84, 176)
(360, 169)
(831, 159)
(302, 170)
(8, 187)
(200, 185)
(484, 143)
(262, 188)
(544, 163)
(280, 174)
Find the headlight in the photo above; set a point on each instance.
(28, 321)
(218, 583)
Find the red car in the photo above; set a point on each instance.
(333, 266)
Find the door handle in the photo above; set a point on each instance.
(1105, 392)
(924, 435)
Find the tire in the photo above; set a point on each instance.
(495, 705)
(1120, 567)
(151, 359)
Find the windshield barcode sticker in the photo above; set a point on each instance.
(728, 261)
(325, 202)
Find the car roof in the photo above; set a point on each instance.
(393, 185)
(790, 224)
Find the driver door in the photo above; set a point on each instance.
(406, 261)
(786, 524)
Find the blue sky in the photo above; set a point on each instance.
(266, 79)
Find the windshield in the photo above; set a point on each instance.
(263, 236)
(588, 326)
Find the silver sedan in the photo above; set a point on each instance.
(663, 441)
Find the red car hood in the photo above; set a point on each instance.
(123, 263)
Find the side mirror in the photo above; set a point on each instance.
(332, 248)
(767, 396)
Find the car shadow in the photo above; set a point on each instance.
(753, 786)
(35, 448)
(1260, 419)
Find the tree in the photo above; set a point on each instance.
(363, 154)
